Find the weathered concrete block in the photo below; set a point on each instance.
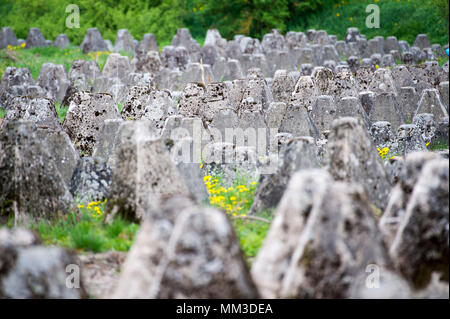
(323, 113)
(179, 223)
(117, 66)
(305, 234)
(197, 72)
(35, 38)
(407, 101)
(421, 243)
(41, 111)
(282, 87)
(426, 125)
(187, 270)
(299, 153)
(148, 43)
(422, 41)
(430, 102)
(382, 134)
(382, 82)
(344, 85)
(187, 158)
(103, 148)
(386, 108)
(83, 74)
(62, 41)
(14, 82)
(390, 285)
(214, 38)
(90, 181)
(61, 149)
(93, 41)
(54, 80)
(409, 139)
(364, 76)
(351, 107)
(401, 193)
(140, 269)
(313, 272)
(143, 172)
(7, 37)
(33, 271)
(391, 43)
(443, 90)
(351, 156)
(148, 62)
(124, 41)
(85, 118)
(175, 57)
(352, 35)
(31, 186)
(183, 38)
(388, 60)
(149, 104)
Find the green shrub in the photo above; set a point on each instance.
(61, 110)
(85, 231)
(35, 57)
(86, 238)
(158, 17)
(235, 198)
(402, 18)
(116, 228)
(251, 234)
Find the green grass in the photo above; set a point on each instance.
(61, 110)
(85, 231)
(440, 145)
(2, 113)
(251, 234)
(401, 18)
(236, 198)
(35, 57)
(442, 60)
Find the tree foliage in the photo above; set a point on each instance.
(249, 17)
(161, 18)
(402, 18)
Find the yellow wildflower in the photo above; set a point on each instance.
(383, 152)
